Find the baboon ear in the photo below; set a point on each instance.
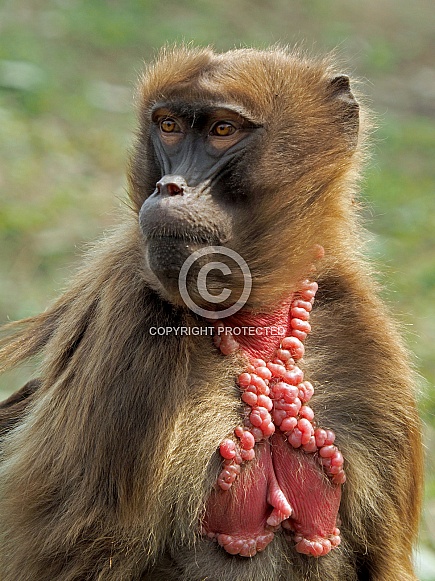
(349, 110)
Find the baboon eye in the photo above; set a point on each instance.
(222, 129)
(169, 125)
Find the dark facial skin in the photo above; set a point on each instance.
(195, 147)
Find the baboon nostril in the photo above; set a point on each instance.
(174, 189)
(171, 185)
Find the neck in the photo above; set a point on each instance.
(258, 335)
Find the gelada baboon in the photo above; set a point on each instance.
(250, 436)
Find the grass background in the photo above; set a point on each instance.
(67, 73)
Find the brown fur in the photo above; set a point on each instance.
(105, 475)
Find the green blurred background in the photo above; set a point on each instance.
(67, 73)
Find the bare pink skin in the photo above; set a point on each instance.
(237, 519)
(243, 520)
(287, 487)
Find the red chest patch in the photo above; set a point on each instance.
(293, 481)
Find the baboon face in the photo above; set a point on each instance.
(234, 152)
(198, 148)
